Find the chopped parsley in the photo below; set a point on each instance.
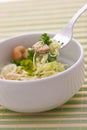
(46, 39)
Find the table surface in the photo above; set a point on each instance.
(23, 16)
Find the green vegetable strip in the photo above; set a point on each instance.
(50, 58)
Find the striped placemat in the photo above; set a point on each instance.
(23, 16)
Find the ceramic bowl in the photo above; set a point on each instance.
(46, 93)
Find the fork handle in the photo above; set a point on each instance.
(75, 17)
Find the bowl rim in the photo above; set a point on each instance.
(49, 77)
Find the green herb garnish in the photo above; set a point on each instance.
(45, 39)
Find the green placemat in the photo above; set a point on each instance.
(23, 16)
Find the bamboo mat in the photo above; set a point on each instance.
(23, 16)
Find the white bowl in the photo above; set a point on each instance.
(41, 94)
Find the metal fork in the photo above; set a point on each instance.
(65, 35)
